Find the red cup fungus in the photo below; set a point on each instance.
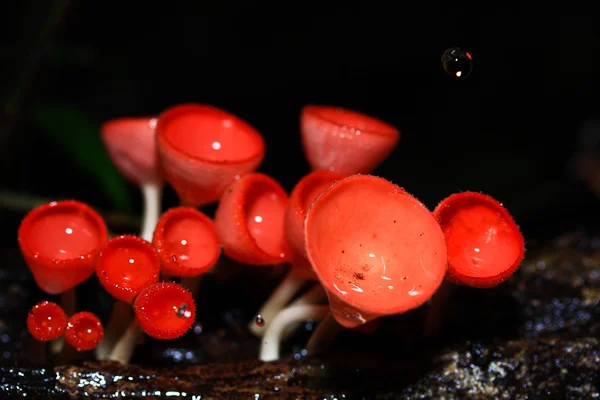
(126, 265)
(345, 141)
(302, 196)
(485, 245)
(187, 242)
(202, 150)
(60, 242)
(46, 321)
(376, 249)
(131, 145)
(250, 221)
(84, 331)
(165, 310)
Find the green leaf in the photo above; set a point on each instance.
(79, 137)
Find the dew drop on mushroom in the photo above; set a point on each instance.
(457, 63)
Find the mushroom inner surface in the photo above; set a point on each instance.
(63, 233)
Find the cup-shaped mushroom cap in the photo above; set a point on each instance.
(187, 242)
(60, 242)
(302, 196)
(485, 245)
(345, 141)
(202, 149)
(250, 221)
(126, 265)
(131, 145)
(376, 249)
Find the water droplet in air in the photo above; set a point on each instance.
(174, 258)
(260, 321)
(457, 62)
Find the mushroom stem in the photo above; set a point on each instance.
(124, 348)
(117, 324)
(326, 331)
(285, 291)
(68, 302)
(315, 295)
(435, 314)
(151, 193)
(269, 349)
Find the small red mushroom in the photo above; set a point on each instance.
(485, 245)
(60, 242)
(250, 221)
(84, 331)
(46, 321)
(165, 310)
(126, 265)
(302, 196)
(345, 141)
(187, 242)
(203, 149)
(131, 145)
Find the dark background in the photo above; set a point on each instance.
(509, 129)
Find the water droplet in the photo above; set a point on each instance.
(174, 258)
(260, 321)
(184, 311)
(457, 62)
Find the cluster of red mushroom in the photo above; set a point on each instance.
(362, 242)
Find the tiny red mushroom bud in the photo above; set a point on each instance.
(485, 245)
(46, 321)
(60, 242)
(376, 249)
(126, 265)
(165, 310)
(84, 331)
(345, 141)
(202, 149)
(250, 221)
(187, 242)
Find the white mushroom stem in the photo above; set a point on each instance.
(117, 324)
(124, 348)
(315, 295)
(151, 193)
(271, 341)
(326, 331)
(68, 302)
(280, 297)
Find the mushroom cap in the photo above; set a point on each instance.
(202, 149)
(485, 245)
(250, 221)
(345, 141)
(302, 196)
(165, 310)
(60, 242)
(187, 242)
(126, 265)
(131, 145)
(376, 249)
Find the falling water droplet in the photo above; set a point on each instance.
(259, 320)
(457, 62)
(174, 258)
